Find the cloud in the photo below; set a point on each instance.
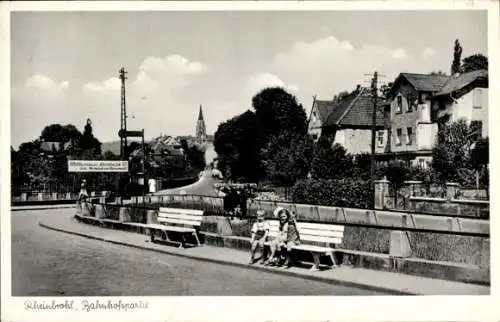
(42, 82)
(327, 66)
(40, 102)
(399, 54)
(151, 96)
(109, 85)
(428, 52)
(259, 81)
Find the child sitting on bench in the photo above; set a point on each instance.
(260, 230)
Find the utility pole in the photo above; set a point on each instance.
(123, 115)
(374, 133)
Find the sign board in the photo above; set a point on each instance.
(123, 133)
(97, 166)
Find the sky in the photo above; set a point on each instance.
(64, 65)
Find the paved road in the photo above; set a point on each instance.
(204, 187)
(50, 263)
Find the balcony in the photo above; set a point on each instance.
(424, 113)
(426, 136)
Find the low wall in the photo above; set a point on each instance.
(361, 247)
(458, 207)
(426, 245)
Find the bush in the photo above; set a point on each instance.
(341, 193)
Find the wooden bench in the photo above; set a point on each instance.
(181, 221)
(311, 235)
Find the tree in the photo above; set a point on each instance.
(450, 153)
(88, 144)
(196, 157)
(238, 142)
(474, 62)
(287, 157)
(457, 58)
(277, 110)
(330, 162)
(60, 133)
(385, 89)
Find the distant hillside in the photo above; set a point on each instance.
(113, 146)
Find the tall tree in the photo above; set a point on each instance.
(238, 142)
(474, 62)
(278, 110)
(457, 58)
(60, 133)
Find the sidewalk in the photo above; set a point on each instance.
(42, 207)
(355, 277)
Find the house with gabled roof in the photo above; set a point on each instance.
(420, 102)
(464, 96)
(348, 120)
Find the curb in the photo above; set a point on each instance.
(223, 262)
(24, 208)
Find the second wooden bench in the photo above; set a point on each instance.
(183, 222)
(317, 239)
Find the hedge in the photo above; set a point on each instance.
(352, 193)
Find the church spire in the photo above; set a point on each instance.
(201, 132)
(200, 114)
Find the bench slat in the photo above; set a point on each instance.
(274, 224)
(324, 233)
(181, 211)
(181, 216)
(320, 239)
(180, 221)
(172, 228)
(312, 238)
(328, 227)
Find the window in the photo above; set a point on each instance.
(410, 107)
(399, 134)
(421, 163)
(476, 129)
(399, 100)
(315, 137)
(380, 138)
(410, 100)
(478, 98)
(421, 98)
(409, 135)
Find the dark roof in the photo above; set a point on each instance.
(341, 108)
(426, 82)
(355, 110)
(456, 83)
(361, 112)
(324, 109)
